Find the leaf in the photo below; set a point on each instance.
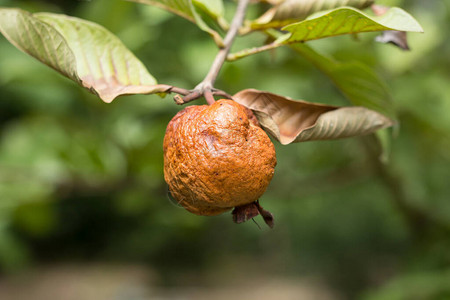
(290, 11)
(183, 8)
(397, 38)
(348, 20)
(186, 9)
(213, 7)
(360, 84)
(39, 40)
(299, 121)
(83, 51)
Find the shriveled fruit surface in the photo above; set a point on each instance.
(216, 158)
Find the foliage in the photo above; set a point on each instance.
(300, 121)
(83, 180)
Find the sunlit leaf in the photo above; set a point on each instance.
(289, 11)
(348, 20)
(81, 50)
(299, 121)
(186, 9)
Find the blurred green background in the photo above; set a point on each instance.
(84, 211)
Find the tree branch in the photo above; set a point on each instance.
(206, 87)
(228, 41)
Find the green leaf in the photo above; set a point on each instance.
(81, 50)
(360, 84)
(299, 121)
(213, 7)
(349, 20)
(186, 9)
(183, 8)
(291, 11)
(39, 40)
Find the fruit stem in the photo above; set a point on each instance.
(209, 97)
(206, 87)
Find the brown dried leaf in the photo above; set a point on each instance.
(396, 38)
(291, 120)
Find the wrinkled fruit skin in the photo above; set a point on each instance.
(216, 157)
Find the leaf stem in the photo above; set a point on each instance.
(166, 89)
(250, 51)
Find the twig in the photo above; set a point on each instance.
(221, 93)
(178, 90)
(190, 95)
(228, 41)
(206, 87)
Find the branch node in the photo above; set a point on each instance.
(178, 99)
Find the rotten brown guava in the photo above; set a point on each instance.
(216, 158)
